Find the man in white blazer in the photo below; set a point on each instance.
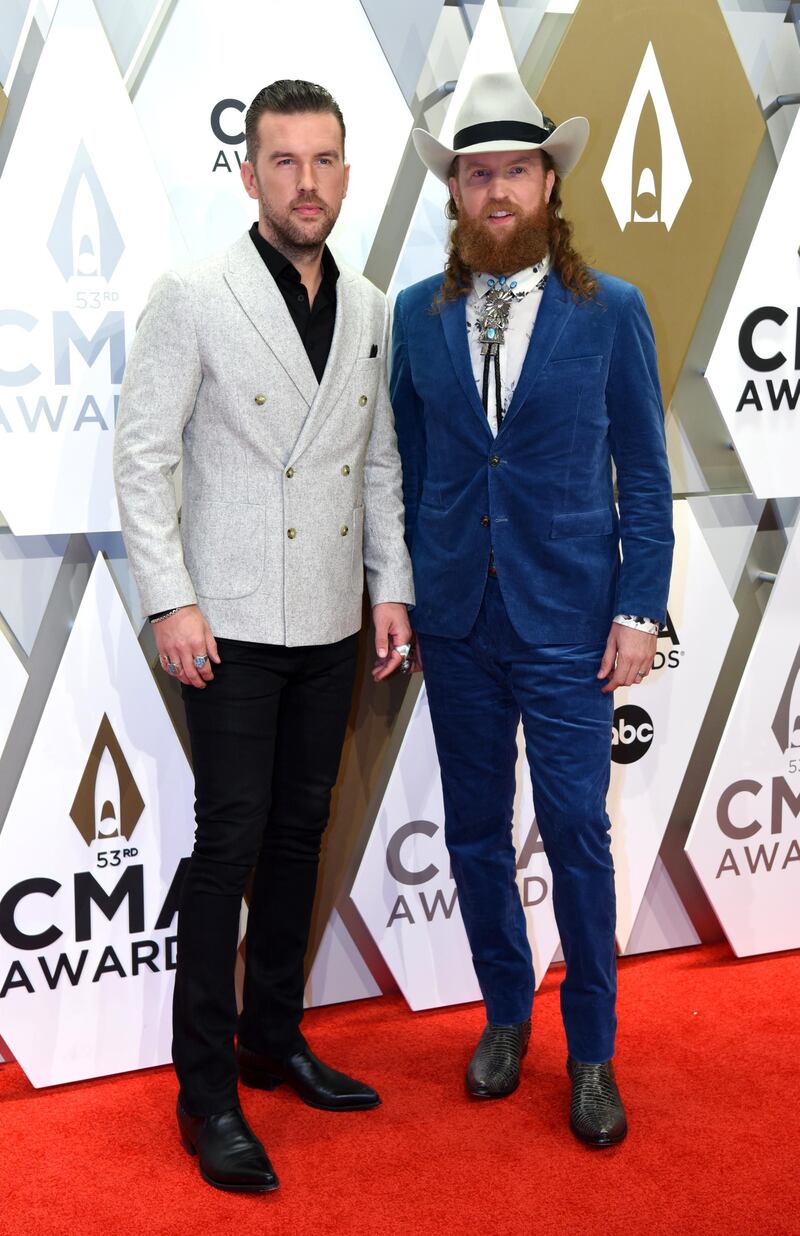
(264, 371)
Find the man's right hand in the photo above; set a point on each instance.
(182, 637)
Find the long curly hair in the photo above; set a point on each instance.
(573, 271)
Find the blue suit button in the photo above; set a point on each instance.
(485, 521)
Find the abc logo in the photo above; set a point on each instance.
(632, 734)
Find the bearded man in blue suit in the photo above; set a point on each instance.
(519, 378)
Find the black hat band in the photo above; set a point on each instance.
(502, 130)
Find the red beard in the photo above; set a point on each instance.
(480, 248)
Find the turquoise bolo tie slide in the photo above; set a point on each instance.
(492, 316)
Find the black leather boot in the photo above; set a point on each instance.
(494, 1068)
(230, 1155)
(316, 1083)
(596, 1115)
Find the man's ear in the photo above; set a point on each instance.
(248, 175)
(550, 180)
(452, 184)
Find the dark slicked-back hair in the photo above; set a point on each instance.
(286, 98)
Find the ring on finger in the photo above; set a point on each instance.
(200, 661)
(171, 666)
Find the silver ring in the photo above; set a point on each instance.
(173, 669)
(402, 649)
(200, 661)
(641, 675)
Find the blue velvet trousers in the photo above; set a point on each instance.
(478, 689)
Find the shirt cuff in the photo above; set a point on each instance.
(639, 624)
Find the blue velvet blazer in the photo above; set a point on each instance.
(541, 493)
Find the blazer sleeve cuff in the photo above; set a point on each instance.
(390, 588)
(160, 595)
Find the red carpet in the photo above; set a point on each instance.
(707, 1060)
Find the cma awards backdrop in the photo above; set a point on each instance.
(121, 137)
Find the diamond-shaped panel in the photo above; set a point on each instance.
(656, 723)
(90, 857)
(194, 121)
(745, 840)
(423, 252)
(406, 895)
(754, 369)
(652, 199)
(79, 251)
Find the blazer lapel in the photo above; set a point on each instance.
(342, 356)
(454, 324)
(258, 295)
(554, 313)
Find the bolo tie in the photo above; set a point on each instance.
(492, 319)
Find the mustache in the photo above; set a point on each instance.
(309, 199)
(508, 206)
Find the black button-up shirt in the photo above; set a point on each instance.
(314, 322)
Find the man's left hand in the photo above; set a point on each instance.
(629, 653)
(391, 628)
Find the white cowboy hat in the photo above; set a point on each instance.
(499, 114)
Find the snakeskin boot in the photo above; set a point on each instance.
(596, 1116)
(493, 1070)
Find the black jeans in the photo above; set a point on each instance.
(266, 739)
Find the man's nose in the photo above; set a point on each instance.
(306, 179)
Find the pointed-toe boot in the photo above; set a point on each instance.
(494, 1068)
(229, 1154)
(596, 1114)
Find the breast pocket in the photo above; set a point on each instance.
(366, 382)
(578, 364)
(571, 373)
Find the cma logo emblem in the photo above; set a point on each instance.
(786, 725)
(108, 803)
(85, 239)
(437, 902)
(741, 804)
(647, 177)
(775, 327)
(227, 126)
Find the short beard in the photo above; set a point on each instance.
(289, 238)
(474, 243)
